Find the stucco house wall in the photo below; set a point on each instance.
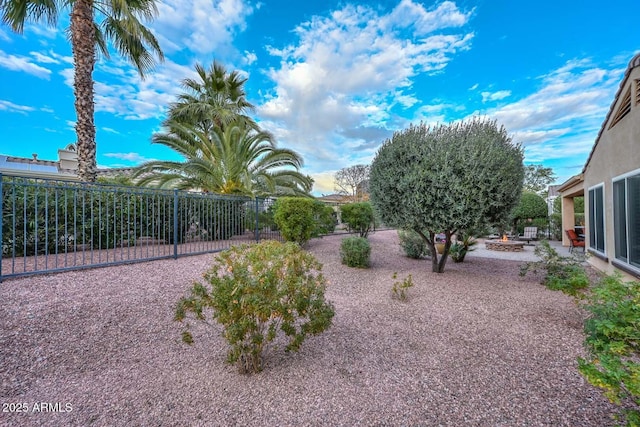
(616, 152)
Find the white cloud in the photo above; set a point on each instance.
(110, 130)
(201, 26)
(495, 96)
(573, 92)
(130, 157)
(250, 57)
(44, 59)
(14, 108)
(474, 87)
(350, 71)
(562, 118)
(43, 30)
(24, 64)
(324, 182)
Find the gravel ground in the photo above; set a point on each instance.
(477, 346)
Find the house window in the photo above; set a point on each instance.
(624, 109)
(626, 211)
(596, 218)
(637, 92)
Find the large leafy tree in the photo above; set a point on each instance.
(215, 98)
(530, 206)
(93, 24)
(537, 178)
(446, 178)
(237, 160)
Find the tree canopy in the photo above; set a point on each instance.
(537, 178)
(215, 98)
(446, 178)
(531, 205)
(235, 160)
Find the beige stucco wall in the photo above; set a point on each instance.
(617, 152)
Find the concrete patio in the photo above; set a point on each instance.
(526, 255)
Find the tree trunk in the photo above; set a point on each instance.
(84, 57)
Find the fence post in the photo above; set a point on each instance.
(257, 222)
(175, 224)
(1, 219)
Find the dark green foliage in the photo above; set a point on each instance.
(613, 341)
(256, 292)
(325, 219)
(537, 178)
(57, 217)
(412, 244)
(294, 216)
(530, 206)
(359, 217)
(564, 274)
(447, 178)
(355, 252)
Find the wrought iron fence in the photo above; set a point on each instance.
(50, 225)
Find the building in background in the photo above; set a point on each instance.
(65, 168)
(610, 183)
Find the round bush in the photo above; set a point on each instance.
(355, 252)
(412, 244)
(294, 216)
(257, 291)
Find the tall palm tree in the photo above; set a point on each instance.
(238, 160)
(215, 98)
(118, 23)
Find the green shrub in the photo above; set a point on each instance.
(294, 216)
(613, 342)
(564, 274)
(399, 290)
(325, 220)
(257, 291)
(412, 244)
(355, 252)
(359, 217)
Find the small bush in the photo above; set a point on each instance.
(325, 219)
(613, 342)
(464, 244)
(257, 291)
(412, 244)
(564, 274)
(294, 216)
(399, 290)
(359, 217)
(355, 252)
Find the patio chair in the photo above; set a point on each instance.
(529, 234)
(574, 241)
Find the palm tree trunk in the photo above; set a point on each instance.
(84, 58)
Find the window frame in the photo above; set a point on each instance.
(593, 231)
(620, 261)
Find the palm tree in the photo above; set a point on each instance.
(215, 98)
(237, 160)
(119, 24)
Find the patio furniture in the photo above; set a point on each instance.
(574, 241)
(529, 234)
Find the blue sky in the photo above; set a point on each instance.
(333, 79)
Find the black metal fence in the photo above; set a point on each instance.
(50, 225)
